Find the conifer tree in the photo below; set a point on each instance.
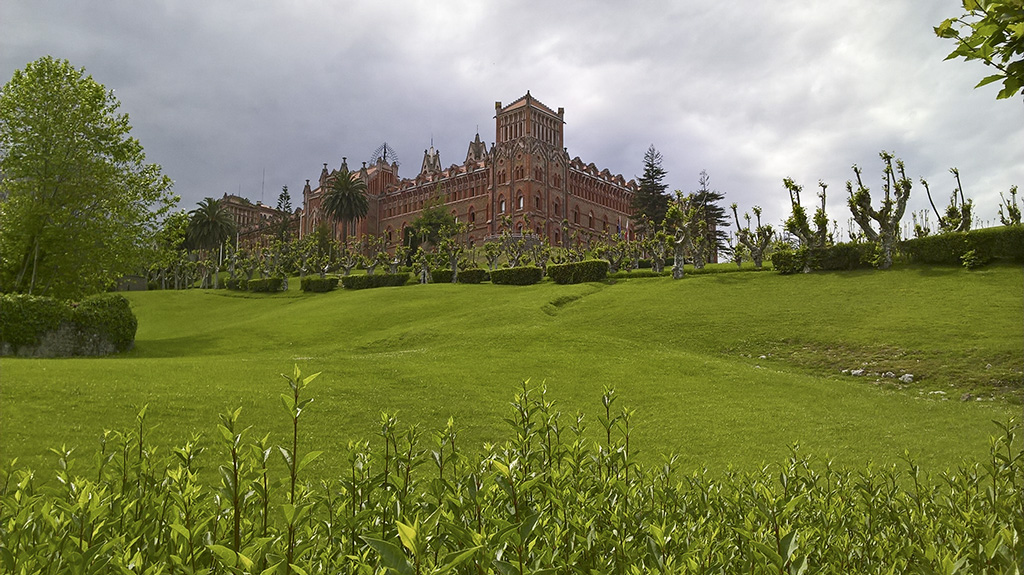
(651, 202)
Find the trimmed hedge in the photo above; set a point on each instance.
(638, 273)
(578, 272)
(44, 327)
(375, 281)
(441, 276)
(521, 276)
(845, 257)
(317, 284)
(266, 284)
(473, 276)
(238, 284)
(1000, 243)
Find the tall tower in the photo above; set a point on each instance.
(530, 166)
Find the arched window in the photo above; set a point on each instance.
(472, 215)
(519, 227)
(576, 215)
(556, 209)
(590, 220)
(501, 205)
(606, 223)
(536, 201)
(557, 238)
(519, 201)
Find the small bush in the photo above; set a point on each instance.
(317, 284)
(638, 273)
(521, 276)
(375, 281)
(441, 276)
(238, 284)
(266, 285)
(579, 272)
(788, 261)
(472, 276)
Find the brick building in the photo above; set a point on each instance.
(257, 223)
(526, 174)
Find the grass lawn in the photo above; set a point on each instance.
(723, 369)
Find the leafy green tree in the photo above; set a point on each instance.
(991, 31)
(210, 225)
(683, 219)
(78, 203)
(650, 201)
(346, 200)
(896, 192)
(427, 226)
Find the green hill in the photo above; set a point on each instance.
(724, 369)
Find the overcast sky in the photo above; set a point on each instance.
(221, 93)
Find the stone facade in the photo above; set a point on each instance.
(526, 174)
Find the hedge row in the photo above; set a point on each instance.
(839, 257)
(521, 276)
(1001, 243)
(318, 284)
(42, 326)
(473, 276)
(375, 281)
(578, 272)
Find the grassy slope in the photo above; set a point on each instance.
(685, 355)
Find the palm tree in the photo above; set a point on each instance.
(346, 200)
(209, 226)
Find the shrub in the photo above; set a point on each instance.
(375, 281)
(847, 256)
(472, 276)
(267, 285)
(441, 276)
(638, 273)
(1000, 243)
(45, 327)
(25, 318)
(107, 317)
(579, 272)
(317, 284)
(239, 284)
(787, 261)
(521, 276)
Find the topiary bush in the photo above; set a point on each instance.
(847, 256)
(238, 284)
(578, 272)
(375, 281)
(521, 276)
(317, 284)
(441, 276)
(472, 276)
(44, 327)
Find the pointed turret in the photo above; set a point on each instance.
(477, 150)
(431, 161)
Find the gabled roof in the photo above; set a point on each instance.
(528, 100)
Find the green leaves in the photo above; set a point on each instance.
(992, 32)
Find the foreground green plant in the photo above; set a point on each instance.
(546, 500)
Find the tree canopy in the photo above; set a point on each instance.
(210, 224)
(991, 31)
(78, 203)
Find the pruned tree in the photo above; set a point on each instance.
(451, 246)
(959, 212)
(683, 218)
(896, 191)
(757, 241)
(714, 216)
(1011, 217)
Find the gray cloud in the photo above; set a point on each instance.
(220, 93)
